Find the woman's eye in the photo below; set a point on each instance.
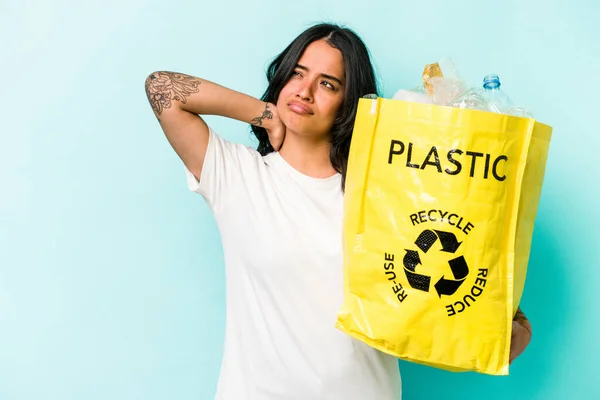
(327, 84)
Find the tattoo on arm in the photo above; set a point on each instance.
(163, 87)
(267, 114)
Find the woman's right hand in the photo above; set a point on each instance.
(272, 124)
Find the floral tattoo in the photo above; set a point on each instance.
(267, 114)
(163, 87)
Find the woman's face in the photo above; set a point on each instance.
(310, 100)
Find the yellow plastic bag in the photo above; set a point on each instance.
(439, 210)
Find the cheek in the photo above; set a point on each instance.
(331, 109)
(286, 91)
(282, 108)
(283, 97)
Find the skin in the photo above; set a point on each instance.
(521, 335)
(307, 107)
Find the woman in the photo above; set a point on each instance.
(280, 217)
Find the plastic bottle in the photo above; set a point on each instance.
(498, 100)
(472, 99)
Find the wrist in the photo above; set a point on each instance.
(264, 116)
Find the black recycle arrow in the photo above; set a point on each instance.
(428, 237)
(449, 242)
(460, 270)
(416, 281)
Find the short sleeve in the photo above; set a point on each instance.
(225, 164)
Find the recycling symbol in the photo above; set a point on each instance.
(458, 265)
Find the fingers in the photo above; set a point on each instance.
(518, 341)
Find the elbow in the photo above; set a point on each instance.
(156, 93)
(151, 84)
(149, 79)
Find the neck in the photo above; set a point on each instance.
(308, 156)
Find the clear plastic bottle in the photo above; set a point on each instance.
(489, 98)
(498, 100)
(472, 99)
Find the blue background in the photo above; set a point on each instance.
(111, 272)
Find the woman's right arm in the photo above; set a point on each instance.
(177, 101)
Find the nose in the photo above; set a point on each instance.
(305, 91)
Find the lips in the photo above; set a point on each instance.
(299, 108)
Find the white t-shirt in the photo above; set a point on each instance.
(282, 240)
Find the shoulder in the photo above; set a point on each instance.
(222, 146)
(228, 167)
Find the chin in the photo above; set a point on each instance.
(301, 125)
(296, 123)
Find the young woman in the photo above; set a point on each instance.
(279, 211)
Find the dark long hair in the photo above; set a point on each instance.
(359, 76)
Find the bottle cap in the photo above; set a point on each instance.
(491, 81)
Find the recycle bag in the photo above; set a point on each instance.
(439, 211)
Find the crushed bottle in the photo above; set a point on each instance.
(442, 85)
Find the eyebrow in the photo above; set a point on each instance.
(333, 78)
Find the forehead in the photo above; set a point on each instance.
(322, 58)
